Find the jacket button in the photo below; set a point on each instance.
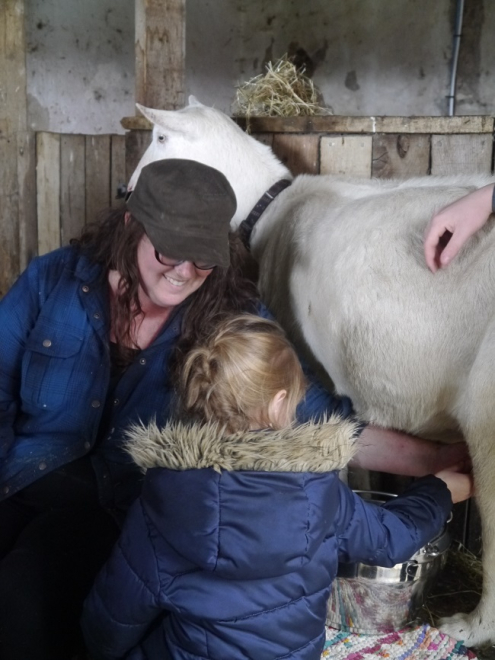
(142, 361)
(42, 465)
(87, 445)
(47, 343)
(95, 404)
(6, 490)
(85, 288)
(116, 402)
(96, 315)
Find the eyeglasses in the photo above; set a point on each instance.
(176, 262)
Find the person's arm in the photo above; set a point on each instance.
(125, 598)
(18, 310)
(461, 220)
(390, 534)
(385, 450)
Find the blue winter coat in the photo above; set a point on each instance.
(55, 374)
(230, 551)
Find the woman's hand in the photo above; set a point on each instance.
(450, 228)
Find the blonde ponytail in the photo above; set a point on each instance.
(232, 377)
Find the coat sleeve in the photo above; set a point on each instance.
(390, 534)
(125, 599)
(19, 309)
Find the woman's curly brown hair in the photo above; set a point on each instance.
(113, 243)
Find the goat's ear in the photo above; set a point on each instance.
(169, 120)
(194, 101)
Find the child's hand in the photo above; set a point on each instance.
(461, 485)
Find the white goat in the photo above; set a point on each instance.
(341, 262)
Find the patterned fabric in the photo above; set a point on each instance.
(420, 643)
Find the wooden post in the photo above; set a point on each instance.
(18, 239)
(160, 53)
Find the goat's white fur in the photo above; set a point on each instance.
(341, 265)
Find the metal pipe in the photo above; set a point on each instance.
(455, 55)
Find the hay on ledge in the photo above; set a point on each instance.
(283, 91)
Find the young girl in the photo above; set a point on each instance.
(232, 547)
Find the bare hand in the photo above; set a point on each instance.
(450, 228)
(460, 484)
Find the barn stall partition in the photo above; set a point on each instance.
(77, 176)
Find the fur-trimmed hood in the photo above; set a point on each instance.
(310, 447)
(249, 505)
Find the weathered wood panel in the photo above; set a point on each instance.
(17, 149)
(26, 178)
(72, 186)
(461, 154)
(265, 138)
(97, 175)
(400, 156)
(118, 177)
(48, 191)
(136, 143)
(349, 155)
(340, 124)
(353, 125)
(160, 53)
(298, 152)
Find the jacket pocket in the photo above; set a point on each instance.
(51, 361)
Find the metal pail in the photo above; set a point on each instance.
(373, 599)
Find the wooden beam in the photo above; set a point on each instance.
(160, 53)
(17, 173)
(98, 176)
(72, 186)
(48, 191)
(344, 124)
(136, 143)
(341, 124)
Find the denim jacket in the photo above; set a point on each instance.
(55, 374)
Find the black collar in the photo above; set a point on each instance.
(247, 225)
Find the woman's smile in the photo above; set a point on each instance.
(166, 286)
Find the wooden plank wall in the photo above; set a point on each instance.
(17, 156)
(77, 176)
(456, 148)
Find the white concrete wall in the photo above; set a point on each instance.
(370, 57)
(80, 64)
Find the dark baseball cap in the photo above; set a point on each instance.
(185, 208)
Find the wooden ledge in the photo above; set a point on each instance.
(343, 124)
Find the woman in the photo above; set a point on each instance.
(90, 336)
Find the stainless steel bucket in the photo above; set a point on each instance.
(373, 599)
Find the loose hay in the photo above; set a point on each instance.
(457, 588)
(283, 91)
